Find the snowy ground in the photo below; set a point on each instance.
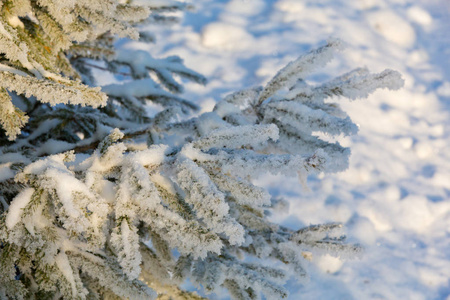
(395, 197)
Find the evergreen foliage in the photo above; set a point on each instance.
(100, 200)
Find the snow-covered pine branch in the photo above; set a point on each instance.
(299, 110)
(46, 39)
(109, 201)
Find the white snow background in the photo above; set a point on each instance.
(395, 197)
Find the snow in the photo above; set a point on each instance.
(395, 197)
(420, 16)
(225, 36)
(6, 172)
(444, 89)
(53, 146)
(392, 27)
(63, 264)
(17, 206)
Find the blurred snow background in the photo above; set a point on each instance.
(395, 197)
